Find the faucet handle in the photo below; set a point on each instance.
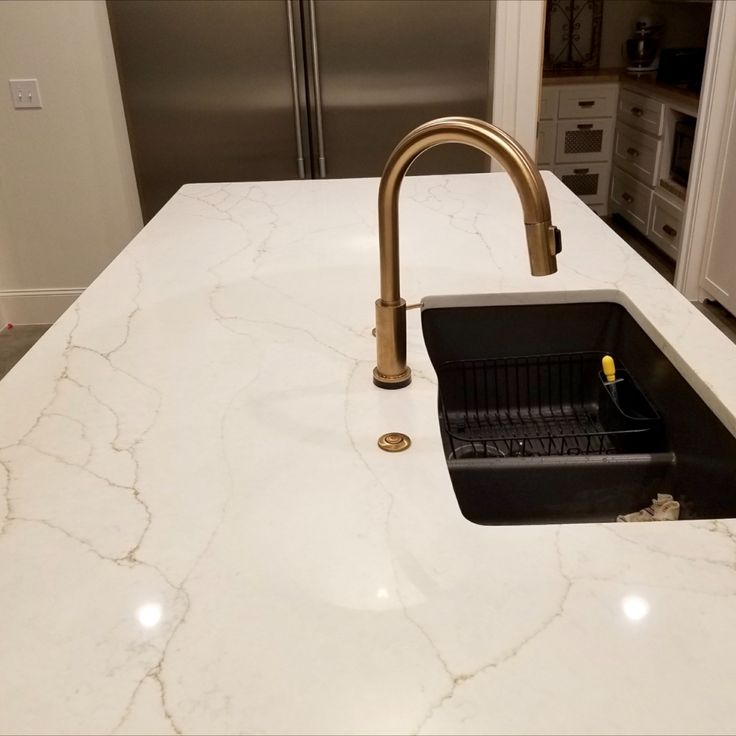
(558, 240)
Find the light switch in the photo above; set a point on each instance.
(25, 93)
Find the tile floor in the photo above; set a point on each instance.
(722, 319)
(664, 265)
(16, 342)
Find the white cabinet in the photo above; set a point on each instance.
(719, 277)
(575, 137)
(548, 104)
(590, 101)
(637, 153)
(631, 199)
(546, 142)
(639, 111)
(665, 225)
(641, 159)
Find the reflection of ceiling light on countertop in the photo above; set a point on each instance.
(635, 607)
(149, 614)
(382, 593)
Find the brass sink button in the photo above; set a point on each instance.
(394, 442)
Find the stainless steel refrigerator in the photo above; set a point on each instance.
(249, 90)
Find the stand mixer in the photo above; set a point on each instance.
(642, 50)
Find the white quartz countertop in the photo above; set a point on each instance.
(200, 535)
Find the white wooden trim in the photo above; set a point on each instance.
(517, 76)
(35, 306)
(715, 119)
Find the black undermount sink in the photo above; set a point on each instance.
(533, 433)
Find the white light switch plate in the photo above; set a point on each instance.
(25, 93)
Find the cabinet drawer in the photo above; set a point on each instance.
(631, 198)
(595, 101)
(585, 141)
(588, 181)
(641, 112)
(546, 142)
(637, 153)
(548, 103)
(665, 228)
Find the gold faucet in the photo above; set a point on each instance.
(542, 237)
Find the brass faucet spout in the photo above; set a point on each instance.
(543, 241)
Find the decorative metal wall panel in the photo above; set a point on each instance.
(573, 34)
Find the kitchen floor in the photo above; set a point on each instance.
(721, 318)
(15, 342)
(664, 265)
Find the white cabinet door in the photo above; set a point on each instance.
(546, 142)
(665, 226)
(631, 199)
(639, 111)
(638, 153)
(720, 269)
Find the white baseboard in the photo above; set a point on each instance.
(35, 306)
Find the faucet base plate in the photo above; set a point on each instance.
(392, 382)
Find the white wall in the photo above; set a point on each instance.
(685, 24)
(68, 200)
(517, 69)
(619, 17)
(707, 263)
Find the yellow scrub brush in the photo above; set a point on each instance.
(609, 371)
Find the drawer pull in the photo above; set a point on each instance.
(669, 231)
(585, 126)
(632, 152)
(586, 103)
(637, 111)
(627, 198)
(580, 171)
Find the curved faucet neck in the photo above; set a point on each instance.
(542, 237)
(497, 145)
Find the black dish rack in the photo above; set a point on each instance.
(543, 405)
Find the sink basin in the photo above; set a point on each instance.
(533, 433)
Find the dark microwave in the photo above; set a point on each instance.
(682, 150)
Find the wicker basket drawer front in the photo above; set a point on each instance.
(588, 181)
(586, 141)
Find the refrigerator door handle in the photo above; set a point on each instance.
(295, 93)
(317, 91)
